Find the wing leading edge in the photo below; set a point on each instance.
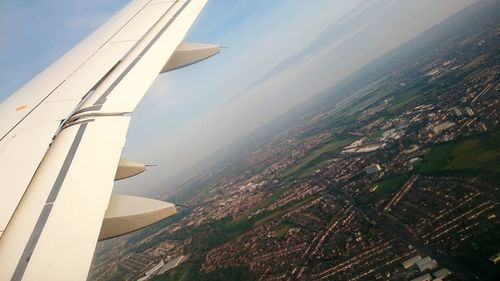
(59, 194)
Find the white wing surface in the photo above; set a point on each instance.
(62, 134)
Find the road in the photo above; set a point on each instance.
(394, 229)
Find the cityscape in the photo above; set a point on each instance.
(397, 181)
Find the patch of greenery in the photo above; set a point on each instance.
(311, 162)
(376, 134)
(391, 185)
(386, 186)
(478, 155)
(475, 62)
(365, 102)
(439, 157)
(211, 235)
(403, 101)
(282, 230)
(261, 205)
(190, 271)
(279, 212)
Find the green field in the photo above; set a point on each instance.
(479, 155)
(282, 230)
(190, 271)
(402, 98)
(475, 62)
(391, 185)
(314, 160)
(376, 134)
(261, 205)
(350, 113)
(279, 212)
(402, 101)
(386, 186)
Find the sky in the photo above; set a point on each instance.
(277, 55)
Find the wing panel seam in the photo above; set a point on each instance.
(102, 99)
(78, 68)
(44, 215)
(31, 111)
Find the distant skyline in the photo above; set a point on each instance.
(279, 54)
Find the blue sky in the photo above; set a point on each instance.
(279, 54)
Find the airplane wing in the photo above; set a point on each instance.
(61, 138)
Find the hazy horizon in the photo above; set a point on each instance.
(278, 56)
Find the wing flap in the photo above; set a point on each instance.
(29, 141)
(81, 203)
(68, 197)
(20, 152)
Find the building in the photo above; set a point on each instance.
(409, 263)
(425, 277)
(469, 111)
(495, 259)
(372, 169)
(427, 263)
(442, 273)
